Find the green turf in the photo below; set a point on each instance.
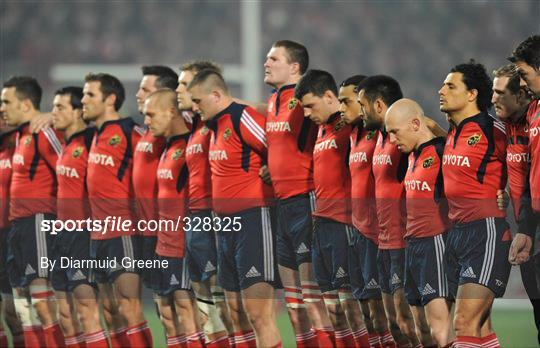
(515, 328)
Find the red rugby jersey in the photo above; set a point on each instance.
(173, 187)
(7, 147)
(517, 160)
(200, 174)
(145, 162)
(291, 138)
(427, 209)
(364, 208)
(331, 171)
(389, 168)
(33, 180)
(237, 152)
(474, 168)
(533, 119)
(72, 197)
(110, 166)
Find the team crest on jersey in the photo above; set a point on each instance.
(370, 135)
(292, 103)
(177, 154)
(473, 139)
(115, 140)
(227, 134)
(428, 162)
(204, 130)
(77, 152)
(27, 141)
(339, 125)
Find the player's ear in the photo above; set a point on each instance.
(26, 105)
(473, 94)
(295, 69)
(328, 96)
(416, 123)
(110, 100)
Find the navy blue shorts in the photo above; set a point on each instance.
(109, 254)
(148, 252)
(28, 245)
(172, 278)
(363, 267)
(295, 230)
(5, 286)
(477, 252)
(425, 275)
(201, 247)
(391, 264)
(331, 253)
(67, 250)
(247, 256)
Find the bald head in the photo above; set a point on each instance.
(406, 126)
(403, 111)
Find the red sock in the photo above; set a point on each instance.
(119, 339)
(361, 338)
(177, 341)
(3, 339)
(467, 342)
(307, 340)
(344, 338)
(18, 341)
(222, 342)
(491, 341)
(53, 336)
(33, 337)
(195, 340)
(387, 340)
(325, 337)
(97, 340)
(245, 339)
(75, 341)
(375, 340)
(279, 345)
(231, 341)
(140, 336)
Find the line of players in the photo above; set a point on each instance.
(320, 146)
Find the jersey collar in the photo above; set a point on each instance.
(110, 122)
(283, 88)
(4, 135)
(174, 138)
(422, 146)
(88, 131)
(212, 124)
(333, 117)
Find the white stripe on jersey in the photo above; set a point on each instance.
(140, 130)
(496, 123)
(253, 127)
(53, 140)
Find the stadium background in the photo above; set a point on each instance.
(417, 42)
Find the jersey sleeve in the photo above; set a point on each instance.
(136, 135)
(50, 146)
(499, 136)
(252, 130)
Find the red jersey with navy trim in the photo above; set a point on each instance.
(72, 196)
(518, 160)
(110, 166)
(389, 168)
(33, 180)
(173, 188)
(533, 118)
(237, 153)
(331, 174)
(427, 209)
(145, 162)
(291, 138)
(364, 208)
(200, 174)
(7, 147)
(474, 168)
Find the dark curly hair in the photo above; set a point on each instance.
(476, 77)
(528, 51)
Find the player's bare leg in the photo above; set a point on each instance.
(216, 323)
(364, 306)
(168, 317)
(421, 326)
(404, 317)
(128, 293)
(87, 308)
(258, 302)
(354, 316)
(67, 314)
(115, 322)
(313, 298)
(296, 307)
(9, 315)
(187, 311)
(237, 312)
(390, 310)
(439, 318)
(473, 306)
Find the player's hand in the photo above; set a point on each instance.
(520, 249)
(502, 199)
(265, 175)
(41, 122)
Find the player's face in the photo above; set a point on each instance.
(182, 95)
(367, 112)
(348, 105)
(401, 134)
(530, 76)
(203, 103)
(453, 95)
(156, 118)
(147, 86)
(93, 102)
(505, 102)
(12, 108)
(62, 112)
(277, 69)
(315, 108)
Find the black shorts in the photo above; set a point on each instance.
(148, 251)
(478, 253)
(331, 254)
(201, 247)
(171, 278)
(68, 249)
(5, 286)
(28, 246)
(295, 230)
(363, 268)
(425, 275)
(109, 254)
(391, 264)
